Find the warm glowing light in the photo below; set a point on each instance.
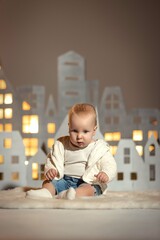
(1, 159)
(113, 136)
(137, 135)
(8, 113)
(15, 176)
(50, 142)
(152, 150)
(26, 162)
(2, 84)
(31, 146)
(30, 124)
(8, 127)
(7, 143)
(25, 106)
(113, 149)
(35, 171)
(1, 127)
(154, 133)
(139, 150)
(51, 127)
(8, 98)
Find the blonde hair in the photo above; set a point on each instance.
(83, 108)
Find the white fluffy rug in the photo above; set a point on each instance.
(15, 198)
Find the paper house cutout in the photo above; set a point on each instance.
(20, 109)
(134, 172)
(72, 84)
(12, 160)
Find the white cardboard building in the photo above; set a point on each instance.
(32, 122)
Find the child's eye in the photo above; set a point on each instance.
(85, 131)
(74, 130)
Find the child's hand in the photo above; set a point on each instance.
(51, 174)
(102, 177)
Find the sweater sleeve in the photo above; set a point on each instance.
(55, 159)
(49, 163)
(108, 165)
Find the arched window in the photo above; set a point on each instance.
(152, 150)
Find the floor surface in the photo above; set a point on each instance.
(58, 224)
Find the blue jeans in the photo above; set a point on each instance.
(66, 182)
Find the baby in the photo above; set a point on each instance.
(78, 165)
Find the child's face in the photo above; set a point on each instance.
(82, 129)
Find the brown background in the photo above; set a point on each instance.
(120, 40)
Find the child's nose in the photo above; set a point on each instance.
(79, 135)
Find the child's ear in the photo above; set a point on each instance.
(94, 130)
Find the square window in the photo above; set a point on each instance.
(120, 176)
(133, 176)
(15, 159)
(126, 160)
(7, 143)
(127, 151)
(15, 176)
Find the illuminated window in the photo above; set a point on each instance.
(51, 127)
(113, 149)
(137, 135)
(152, 150)
(15, 176)
(1, 113)
(120, 176)
(30, 124)
(152, 172)
(126, 155)
(2, 84)
(31, 146)
(26, 106)
(1, 98)
(35, 171)
(8, 98)
(15, 159)
(8, 127)
(133, 176)
(1, 159)
(7, 143)
(154, 133)
(50, 142)
(1, 176)
(8, 113)
(139, 150)
(1, 127)
(114, 136)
